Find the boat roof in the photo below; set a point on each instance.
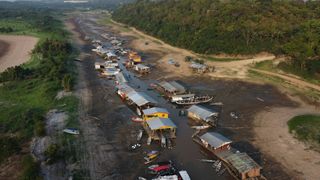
(160, 123)
(215, 140)
(202, 112)
(140, 98)
(154, 110)
(242, 162)
(183, 95)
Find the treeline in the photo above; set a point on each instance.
(235, 27)
(28, 91)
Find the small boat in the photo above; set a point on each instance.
(151, 156)
(140, 135)
(234, 115)
(71, 131)
(195, 100)
(207, 160)
(216, 104)
(184, 175)
(200, 127)
(159, 164)
(135, 146)
(169, 144)
(136, 119)
(218, 167)
(149, 141)
(159, 168)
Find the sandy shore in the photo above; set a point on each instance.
(273, 137)
(16, 50)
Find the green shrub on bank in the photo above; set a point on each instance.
(30, 170)
(9, 145)
(306, 128)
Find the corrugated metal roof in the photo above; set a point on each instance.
(242, 162)
(154, 110)
(215, 140)
(125, 88)
(178, 86)
(167, 86)
(120, 78)
(140, 98)
(141, 66)
(202, 112)
(160, 123)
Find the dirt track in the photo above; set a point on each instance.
(17, 51)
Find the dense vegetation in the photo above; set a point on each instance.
(28, 91)
(306, 128)
(237, 27)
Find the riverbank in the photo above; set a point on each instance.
(16, 50)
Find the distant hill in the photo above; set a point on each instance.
(233, 26)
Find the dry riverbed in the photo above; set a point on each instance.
(262, 108)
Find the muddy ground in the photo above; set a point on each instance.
(4, 47)
(107, 130)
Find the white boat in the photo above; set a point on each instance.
(71, 131)
(200, 127)
(169, 177)
(195, 100)
(184, 175)
(182, 97)
(140, 135)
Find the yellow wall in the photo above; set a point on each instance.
(160, 115)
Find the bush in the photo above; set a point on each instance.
(53, 153)
(40, 129)
(306, 128)
(31, 169)
(9, 146)
(15, 73)
(66, 82)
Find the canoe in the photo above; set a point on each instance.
(137, 119)
(71, 131)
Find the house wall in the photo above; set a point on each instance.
(160, 115)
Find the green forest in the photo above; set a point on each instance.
(28, 91)
(235, 27)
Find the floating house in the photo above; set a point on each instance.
(134, 57)
(215, 142)
(203, 114)
(98, 65)
(154, 112)
(199, 68)
(157, 128)
(142, 69)
(110, 72)
(123, 90)
(120, 78)
(242, 166)
(172, 87)
(141, 100)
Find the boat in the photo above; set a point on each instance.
(135, 146)
(207, 160)
(159, 168)
(140, 135)
(71, 131)
(184, 175)
(195, 100)
(151, 156)
(200, 127)
(136, 119)
(159, 164)
(222, 172)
